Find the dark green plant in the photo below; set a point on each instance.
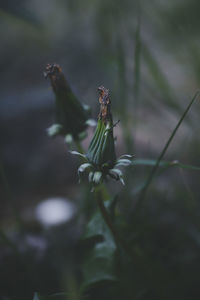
(112, 260)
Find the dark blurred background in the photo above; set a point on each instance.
(148, 54)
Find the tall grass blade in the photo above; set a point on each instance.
(17, 13)
(154, 169)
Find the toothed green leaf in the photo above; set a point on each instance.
(99, 264)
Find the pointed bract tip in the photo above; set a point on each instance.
(52, 69)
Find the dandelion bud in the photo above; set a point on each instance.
(71, 115)
(101, 151)
(100, 159)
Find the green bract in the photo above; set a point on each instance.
(101, 151)
(100, 160)
(71, 115)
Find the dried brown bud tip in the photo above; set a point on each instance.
(105, 102)
(51, 70)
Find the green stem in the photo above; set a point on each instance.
(109, 223)
(154, 169)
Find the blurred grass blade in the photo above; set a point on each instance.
(154, 169)
(175, 163)
(148, 162)
(165, 166)
(188, 167)
(159, 77)
(18, 13)
(137, 59)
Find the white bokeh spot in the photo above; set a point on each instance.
(54, 211)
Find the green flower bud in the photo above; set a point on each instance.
(71, 115)
(101, 151)
(100, 159)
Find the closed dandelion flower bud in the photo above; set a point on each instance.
(100, 159)
(101, 151)
(71, 115)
